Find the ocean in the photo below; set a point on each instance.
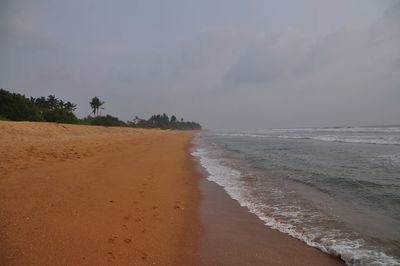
(336, 189)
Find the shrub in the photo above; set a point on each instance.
(60, 116)
(108, 121)
(17, 107)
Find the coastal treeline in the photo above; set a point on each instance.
(164, 122)
(17, 107)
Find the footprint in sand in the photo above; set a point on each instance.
(127, 240)
(127, 217)
(144, 256)
(124, 227)
(178, 206)
(110, 256)
(155, 212)
(111, 240)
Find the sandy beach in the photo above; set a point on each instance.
(75, 195)
(85, 195)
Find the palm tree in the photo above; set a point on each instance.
(70, 106)
(173, 119)
(95, 104)
(52, 102)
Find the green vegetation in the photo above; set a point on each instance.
(108, 121)
(163, 122)
(96, 104)
(3, 118)
(17, 107)
(55, 110)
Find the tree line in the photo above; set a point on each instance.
(164, 122)
(17, 107)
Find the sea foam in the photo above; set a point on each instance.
(287, 218)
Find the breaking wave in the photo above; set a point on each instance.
(292, 219)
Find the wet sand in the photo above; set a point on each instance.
(81, 195)
(233, 236)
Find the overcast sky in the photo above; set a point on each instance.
(229, 64)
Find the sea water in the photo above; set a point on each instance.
(336, 189)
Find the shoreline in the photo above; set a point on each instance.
(234, 236)
(84, 195)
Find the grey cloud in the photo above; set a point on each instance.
(268, 58)
(393, 11)
(225, 77)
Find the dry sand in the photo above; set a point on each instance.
(81, 195)
(73, 195)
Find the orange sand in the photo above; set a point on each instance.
(82, 195)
